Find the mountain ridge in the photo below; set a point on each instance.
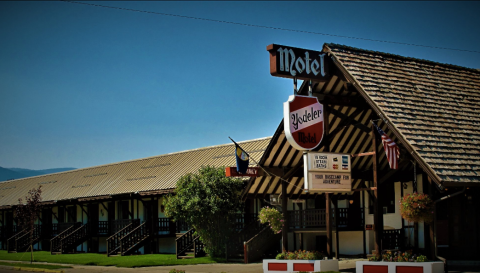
(7, 174)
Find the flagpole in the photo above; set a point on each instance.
(239, 147)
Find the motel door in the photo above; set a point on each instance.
(93, 217)
(9, 219)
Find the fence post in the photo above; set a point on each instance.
(245, 252)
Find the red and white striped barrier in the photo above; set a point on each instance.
(282, 266)
(399, 267)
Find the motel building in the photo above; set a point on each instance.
(334, 185)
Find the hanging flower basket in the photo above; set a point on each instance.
(273, 217)
(417, 207)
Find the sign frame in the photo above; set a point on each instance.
(330, 170)
(304, 64)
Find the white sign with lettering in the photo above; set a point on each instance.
(327, 172)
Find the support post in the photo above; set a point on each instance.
(285, 215)
(377, 206)
(431, 226)
(337, 237)
(328, 217)
(363, 228)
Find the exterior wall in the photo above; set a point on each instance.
(350, 242)
(167, 245)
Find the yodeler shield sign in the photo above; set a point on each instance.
(303, 122)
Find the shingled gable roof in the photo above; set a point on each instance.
(152, 175)
(432, 108)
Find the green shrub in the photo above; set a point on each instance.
(209, 202)
(422, 258)
(300, 255)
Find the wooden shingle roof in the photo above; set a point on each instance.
(431, 107)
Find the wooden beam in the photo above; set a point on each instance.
(354, 101)
(259, 186)
(364, 154)
(343, 116)
(269, 171)
(83, 210)
(366, 189)
(337, 238)
(285, 213)
(345, 122)
(377, 210)
(106, 209)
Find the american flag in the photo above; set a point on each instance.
(391, 149)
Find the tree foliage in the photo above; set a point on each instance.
(26, 213)
(209, 202)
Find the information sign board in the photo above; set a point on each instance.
(327, 172)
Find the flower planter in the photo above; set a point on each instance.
(282, 266)
(399, 267)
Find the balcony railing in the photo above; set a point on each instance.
(181, 226)
(58, 228)
(313, 218)
(348, 218)
(245, 219)
(117, 225)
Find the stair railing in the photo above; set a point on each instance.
(256, 246)
(12, 241)
(235, 245)
(184, 242)
(23, 242)
(75, 237)
(131, 240)
(113, 242)
(56, 242)
(198, 247)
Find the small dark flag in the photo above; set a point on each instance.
(391, 149)
(242, 160)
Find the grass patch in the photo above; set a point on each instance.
(44, 266)
(103, 260)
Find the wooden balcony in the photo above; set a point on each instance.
(349, 219)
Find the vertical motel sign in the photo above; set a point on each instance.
(303, 115)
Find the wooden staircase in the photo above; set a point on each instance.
(135, 239)
(188, 245)
(56, 243)
(23, 242)
(12, 241)
(114, 241)
(75, 238)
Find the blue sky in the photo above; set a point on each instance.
(82, 86)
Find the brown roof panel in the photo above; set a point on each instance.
(158, 173)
